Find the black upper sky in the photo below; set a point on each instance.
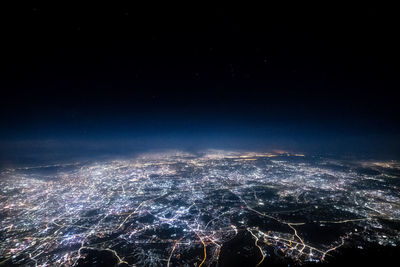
(78, 71)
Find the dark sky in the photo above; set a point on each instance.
(317, 75)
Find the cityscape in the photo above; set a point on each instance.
(208, 208)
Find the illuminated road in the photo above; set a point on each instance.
(177, 208)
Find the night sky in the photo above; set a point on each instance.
(113, 78)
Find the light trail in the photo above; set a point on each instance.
(117, 256)
(172, 251)
(256, 244)
(346, 221)
(331, 249)
(290, 242)
(204, 248)
(130, 214)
